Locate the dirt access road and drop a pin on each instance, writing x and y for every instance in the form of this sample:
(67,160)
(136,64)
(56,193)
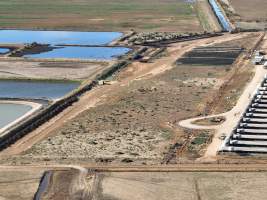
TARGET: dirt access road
(232,117)
(134,72)
(197,167)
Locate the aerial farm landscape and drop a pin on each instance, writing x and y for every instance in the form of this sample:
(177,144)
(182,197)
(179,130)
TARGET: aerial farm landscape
(133,100)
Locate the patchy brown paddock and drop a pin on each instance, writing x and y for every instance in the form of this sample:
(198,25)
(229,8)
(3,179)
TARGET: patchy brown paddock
(247,14)
(51,70)
(104,15)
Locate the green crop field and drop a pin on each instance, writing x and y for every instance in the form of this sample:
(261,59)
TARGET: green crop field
(105,15)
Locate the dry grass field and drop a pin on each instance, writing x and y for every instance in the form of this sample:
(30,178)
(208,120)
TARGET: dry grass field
(183,186)
(51,70)
(250,10)
(104,15)
(19,185)
(247,14)
(69,184)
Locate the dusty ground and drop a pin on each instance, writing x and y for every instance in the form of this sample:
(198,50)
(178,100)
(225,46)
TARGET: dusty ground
(80,184)
(104,15)
(51,70)
(247,14)
(135,119)
(250,10)
(77,183)
(182,186)
(19,185)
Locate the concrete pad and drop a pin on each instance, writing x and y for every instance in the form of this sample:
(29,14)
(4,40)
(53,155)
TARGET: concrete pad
(258,110)
(245,149)
(262,88)
(250,137)
(248,143)
(260,100)
(263,92)
(252,131)
(261,96)
(254,120)
(256,115)
(259,105)
(250,125)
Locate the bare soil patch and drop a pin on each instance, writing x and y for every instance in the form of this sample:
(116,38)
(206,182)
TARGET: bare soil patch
(250,10)
(247,14)
(51,70)
(160,185)
(19,185)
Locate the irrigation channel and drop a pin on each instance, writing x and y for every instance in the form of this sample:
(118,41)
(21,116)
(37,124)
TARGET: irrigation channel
(226,26)
(26,104)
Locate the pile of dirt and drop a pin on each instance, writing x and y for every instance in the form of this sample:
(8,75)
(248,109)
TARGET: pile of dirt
(31,49)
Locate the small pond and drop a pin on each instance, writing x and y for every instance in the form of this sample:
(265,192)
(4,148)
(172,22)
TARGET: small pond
(4,50)
(10,112)
(35,89)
